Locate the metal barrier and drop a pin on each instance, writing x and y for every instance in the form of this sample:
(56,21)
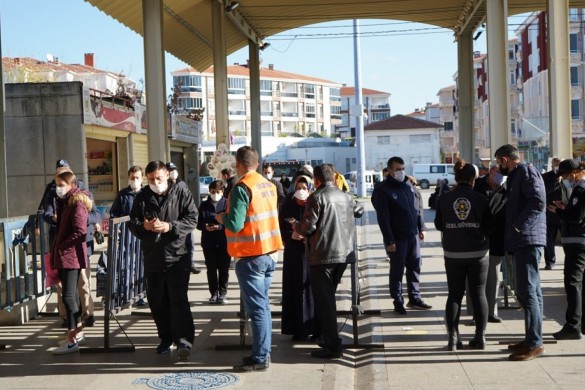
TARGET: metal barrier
(24,241)
(125,281)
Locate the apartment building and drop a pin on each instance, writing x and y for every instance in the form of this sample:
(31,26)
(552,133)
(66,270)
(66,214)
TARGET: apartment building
(291,104)
(376,108)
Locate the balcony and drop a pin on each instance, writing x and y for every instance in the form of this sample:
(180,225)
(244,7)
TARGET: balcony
(290,114)
(265,113)
(237,112)
(310,115)
(289,94)
(380,106)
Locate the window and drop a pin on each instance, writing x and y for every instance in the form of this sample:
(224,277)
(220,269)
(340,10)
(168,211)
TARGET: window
(236,86)
(383,140)
(334,94)
(513,77)
(448,126)
(511,55)
(575,109)
(574,75)
(573,14)
(188,83)
(573,43)
(309,91)
(420,138)
(378,116)
(265,87)
(309,110)
(437,169)
(187,103)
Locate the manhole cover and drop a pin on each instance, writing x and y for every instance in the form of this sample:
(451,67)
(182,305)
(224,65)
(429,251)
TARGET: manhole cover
(189,381)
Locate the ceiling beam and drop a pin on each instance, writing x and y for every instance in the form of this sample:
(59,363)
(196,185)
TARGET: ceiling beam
(470,12)
(242,24)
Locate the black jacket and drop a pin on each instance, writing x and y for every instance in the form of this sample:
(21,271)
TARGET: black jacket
(175,206)
(573,217)
(463,216)
(497,200)
(207,213)
(329,226)
(123,203)
(398,214)
(553,188)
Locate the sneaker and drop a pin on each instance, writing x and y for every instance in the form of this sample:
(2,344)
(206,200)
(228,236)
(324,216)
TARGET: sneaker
(89,321)
(247,364)
(66,348)
(213,299)
(419,305)
(567,334)
(184,350)
(79,337)
(399,308)
(222,299)
(164,347)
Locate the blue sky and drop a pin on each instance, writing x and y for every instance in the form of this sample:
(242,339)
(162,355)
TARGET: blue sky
(410,61)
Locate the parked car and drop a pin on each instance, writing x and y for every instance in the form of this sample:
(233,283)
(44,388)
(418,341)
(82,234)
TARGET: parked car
(427,174)
(204,182)
(371,177)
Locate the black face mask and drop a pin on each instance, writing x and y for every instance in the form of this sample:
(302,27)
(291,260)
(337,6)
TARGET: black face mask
(504,170)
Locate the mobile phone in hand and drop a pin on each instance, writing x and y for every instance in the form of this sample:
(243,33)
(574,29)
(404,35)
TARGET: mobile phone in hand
(290,220)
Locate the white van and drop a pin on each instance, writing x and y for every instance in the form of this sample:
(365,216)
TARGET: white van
(372,177)
(427,174)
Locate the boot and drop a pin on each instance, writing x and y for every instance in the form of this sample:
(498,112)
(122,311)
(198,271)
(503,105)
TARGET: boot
(453,342)
(478,342)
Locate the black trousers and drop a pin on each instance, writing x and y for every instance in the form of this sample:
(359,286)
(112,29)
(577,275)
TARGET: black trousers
(169,304)
(550,257)
(574,267)
(70,294)
(475,272)
(217,261)
(324,282)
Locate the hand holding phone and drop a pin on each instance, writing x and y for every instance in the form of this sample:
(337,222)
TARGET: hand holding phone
(290,220)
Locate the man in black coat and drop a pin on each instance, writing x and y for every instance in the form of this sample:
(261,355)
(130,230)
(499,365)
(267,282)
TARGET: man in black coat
(553,188)
(162,217)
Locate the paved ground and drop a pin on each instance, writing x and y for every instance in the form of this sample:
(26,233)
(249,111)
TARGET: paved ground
(414,354)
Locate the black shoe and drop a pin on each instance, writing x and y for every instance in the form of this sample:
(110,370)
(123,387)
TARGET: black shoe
(89,321)
(549,267)
(399,308)
(195,270)
(494,319)
(454,342)
(325,353)
(567,334)
(419,305)
(248,364)
(183,351)
(164,347)
(477,343)
(64,323)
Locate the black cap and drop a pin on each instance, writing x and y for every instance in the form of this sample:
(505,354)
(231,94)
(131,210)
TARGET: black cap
(171,166)
(567,166)
(62,163)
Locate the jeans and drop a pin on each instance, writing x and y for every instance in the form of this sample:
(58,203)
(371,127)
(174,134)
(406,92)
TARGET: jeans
(69,279)
(255,276)
(458,272)
(407,255)
(529,293)
(574,267)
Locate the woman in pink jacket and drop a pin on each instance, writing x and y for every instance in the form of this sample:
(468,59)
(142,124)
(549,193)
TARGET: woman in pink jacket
(69,252)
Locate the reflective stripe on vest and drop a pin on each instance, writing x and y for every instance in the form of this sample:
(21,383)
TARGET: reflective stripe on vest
(261,231)
(573,240)
(465,255)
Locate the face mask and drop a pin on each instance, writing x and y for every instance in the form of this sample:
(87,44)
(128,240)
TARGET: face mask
(160,188)
(568,184)
(268,176)
(504,170)
(499,178)
(215,197)
(61,191)
(301,194)
(555,169)
(399,175)
(174,175)
(134,184)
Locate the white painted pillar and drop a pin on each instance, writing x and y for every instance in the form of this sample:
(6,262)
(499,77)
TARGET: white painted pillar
(498,76)
(559,79)
(154,69)
(254,68)
(220,74)
(465,94)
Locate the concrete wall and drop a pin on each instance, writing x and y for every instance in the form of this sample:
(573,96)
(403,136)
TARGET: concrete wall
(43,124)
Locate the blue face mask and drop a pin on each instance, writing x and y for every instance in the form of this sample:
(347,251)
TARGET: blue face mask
(499,178)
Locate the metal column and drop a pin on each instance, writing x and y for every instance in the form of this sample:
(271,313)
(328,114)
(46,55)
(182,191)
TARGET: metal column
(254,68)
(559,79)
(359,112)
(466,100)
(220,74)
(154,69)
(498,75)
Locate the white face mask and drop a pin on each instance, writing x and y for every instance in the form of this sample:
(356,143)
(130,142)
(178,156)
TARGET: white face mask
(159,189)
(268,176)
(174,175)
(135,184)
(62,191)
(399,175)
(215,197)
(301,194)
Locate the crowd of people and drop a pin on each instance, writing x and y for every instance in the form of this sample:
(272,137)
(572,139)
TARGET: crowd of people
(249,217)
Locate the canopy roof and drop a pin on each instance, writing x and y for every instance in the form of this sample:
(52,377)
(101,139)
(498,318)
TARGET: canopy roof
(188,26)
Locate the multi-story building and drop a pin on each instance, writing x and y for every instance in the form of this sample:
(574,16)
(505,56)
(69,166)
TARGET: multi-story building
(449,139)
(290,104)
(376,108)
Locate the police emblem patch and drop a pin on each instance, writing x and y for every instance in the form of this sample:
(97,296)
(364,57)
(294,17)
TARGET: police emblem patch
(575,201)
(462,207)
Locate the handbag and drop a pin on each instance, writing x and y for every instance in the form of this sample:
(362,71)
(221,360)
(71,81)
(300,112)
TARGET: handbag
(99,237)
(51,275)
